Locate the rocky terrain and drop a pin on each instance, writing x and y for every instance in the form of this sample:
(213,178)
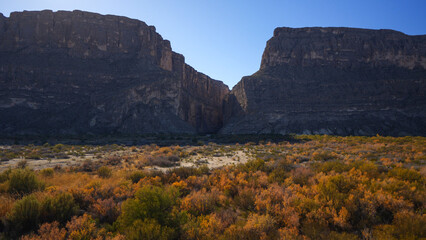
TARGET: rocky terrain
(71,73)
(79,73)
(340,81)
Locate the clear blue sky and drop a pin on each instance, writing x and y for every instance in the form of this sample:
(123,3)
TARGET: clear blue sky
(225,39)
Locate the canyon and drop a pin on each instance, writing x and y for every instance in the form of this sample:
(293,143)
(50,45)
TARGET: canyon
(339,81)
(74,73)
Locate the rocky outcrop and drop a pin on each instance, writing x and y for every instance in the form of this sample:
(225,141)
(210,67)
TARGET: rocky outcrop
(341,81)
(79,73)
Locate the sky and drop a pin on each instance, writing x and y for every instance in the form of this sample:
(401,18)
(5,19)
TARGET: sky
(225,39)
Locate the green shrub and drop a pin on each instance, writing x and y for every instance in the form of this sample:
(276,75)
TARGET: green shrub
(24,181)
(366,166)
(58,148)
(47,172)
(136,176)
(329,166)
(405,174)
(4,176)
(322,156)
(150,202)
(335,189)
(409,225)
(59,208)
(33,155)
(104,172)
(25,215)
(254,165)
(149,229)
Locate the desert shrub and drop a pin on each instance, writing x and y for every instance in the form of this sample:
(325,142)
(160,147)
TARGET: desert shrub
(162,161)
(405,225)
(25,215)
(322,156)
(409,225)
(48,231)
(200,202)
(149,229)
(57,168)
(280,171)
(113,160)
(366,166)
(383,232)
(342,236)
(24,181)
(301,175)
(405,174)
(22,164)
(47,172)
(185,172)
(205,227)
(61,155)
(106,210)
(6,156)
(314,229)
(58,148)
(336,189)
(256,227)
(89,166)
(6,204)
(59,208)
(329,166)
(150,202)
(136,176)
(4,176)
(33,155)
(104,172)
(246,199)
(82,228)
(203,169)
(173,158)
(253,166)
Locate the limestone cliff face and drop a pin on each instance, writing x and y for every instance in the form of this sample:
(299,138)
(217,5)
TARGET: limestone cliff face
(79,72)
(344,47)
(341,81)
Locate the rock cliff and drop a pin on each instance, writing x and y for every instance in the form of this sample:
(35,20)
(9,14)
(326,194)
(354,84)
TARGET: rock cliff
(68,73)
(341,81)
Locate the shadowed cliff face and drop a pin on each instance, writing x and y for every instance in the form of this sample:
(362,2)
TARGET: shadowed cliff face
(334,81)
(79,72)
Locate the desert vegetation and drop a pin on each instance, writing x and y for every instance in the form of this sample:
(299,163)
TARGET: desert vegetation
(305,187)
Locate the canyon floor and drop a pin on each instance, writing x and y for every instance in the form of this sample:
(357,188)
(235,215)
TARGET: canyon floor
(205,187)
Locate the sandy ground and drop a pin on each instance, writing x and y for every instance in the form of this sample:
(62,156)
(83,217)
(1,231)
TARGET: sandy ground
(45,163)
(212,162)
(229,158)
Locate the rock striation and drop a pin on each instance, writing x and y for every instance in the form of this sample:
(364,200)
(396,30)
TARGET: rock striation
(342,81)
(69,73)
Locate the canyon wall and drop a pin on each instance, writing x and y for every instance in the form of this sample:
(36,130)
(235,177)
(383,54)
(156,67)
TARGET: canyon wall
(70,73)
(342,81)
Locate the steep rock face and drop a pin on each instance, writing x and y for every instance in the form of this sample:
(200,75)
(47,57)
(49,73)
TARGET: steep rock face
(341,81)
(78,72)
